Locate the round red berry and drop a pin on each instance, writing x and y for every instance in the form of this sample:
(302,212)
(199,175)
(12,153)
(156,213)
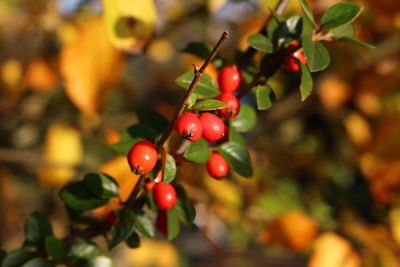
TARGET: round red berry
(213,127)
(217,166)
(294,44)
(229,79)
(188,126)
(232,105)
(142,157)
(161,222)
(111,219)
(291,64)
(164,196)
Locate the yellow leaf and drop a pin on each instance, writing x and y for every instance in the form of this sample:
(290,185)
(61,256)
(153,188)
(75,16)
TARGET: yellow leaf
(62,151)
(90,66)
(130,23)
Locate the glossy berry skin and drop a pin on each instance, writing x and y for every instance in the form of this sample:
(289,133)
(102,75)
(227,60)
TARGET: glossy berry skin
(111,219)
(229,79)
(188,126)
(142,157)
(217,166)
(161,222)
(164,196)
(290,63)
(232,106)
(213,127)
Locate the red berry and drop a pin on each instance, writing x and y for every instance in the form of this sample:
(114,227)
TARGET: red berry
(188,126)
(111,218)
(142,157)
(229,79)
(161,222)
(291,64)
(232,105)
(217,166)
(294,44)
(226,136)
(213,127)
(164,196)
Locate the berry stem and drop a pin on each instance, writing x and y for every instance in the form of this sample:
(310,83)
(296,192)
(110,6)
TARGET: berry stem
(197,76)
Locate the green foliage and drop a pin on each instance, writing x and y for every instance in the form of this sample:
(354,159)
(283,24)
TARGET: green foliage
(238,158)
(198,49)
(260,42)
(55,248)
(172,225)
(245,120)
(317,56)
(356,42)
(340,14)
(198,151)
(170,169)
(38,262)
(131,136)
(346,30)
(37,228)
(152,119)
(265,96)
(17,258)
(209,104)
(205,87)
(143,223)
(184,208)
(307,11)
(306,84)
(101,185)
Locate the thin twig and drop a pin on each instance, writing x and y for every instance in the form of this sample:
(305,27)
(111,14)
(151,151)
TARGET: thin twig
(197,75)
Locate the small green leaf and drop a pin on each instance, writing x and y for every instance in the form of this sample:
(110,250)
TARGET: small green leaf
(265,97)
(192,100)
(184,207)
(38,262)
(260,42)
(100,261)
(170,169)
(17,258)
(356,42)
(205,87)
(144,224)
(133,241)
(307,11)
(77,197)
(198,49)
(209,104)
(132,135)
(339,14)
(317,56)
(153,119)
(234,136)
(37,228)
(120,232)
(238,158)
(85,250)
(198,151)
(173,225)
(245,120)
(101,185)
(55,248)
(346,30)
(306,84)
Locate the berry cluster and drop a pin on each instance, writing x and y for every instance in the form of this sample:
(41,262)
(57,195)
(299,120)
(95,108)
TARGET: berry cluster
(291,62)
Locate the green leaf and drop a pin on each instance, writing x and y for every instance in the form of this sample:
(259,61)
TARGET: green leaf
(170,169)
(100,261)
(265,97)
(184,207)
(306,84)
(38,262)
(307,11)
(205,87)
(153,119)
(234,136)
(198,49)
(356,42)
(77,197)
(260,42)
(339,14)
(238,158)
(273,31)
(245,120)
(173,225)
(144,224)
(85,250)
(101,185)
(192,100)
(37,228)
(120,232)
(131,136)
(55,248)
(17,258)
(133,241)
(317,56)
(209,104)
(198,151)
(346,30)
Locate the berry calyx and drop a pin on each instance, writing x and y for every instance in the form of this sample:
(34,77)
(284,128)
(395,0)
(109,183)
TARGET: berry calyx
(188,126)
(111,219)
(291,64)
(164,196)
(229,79)
(213,127)
(217,166)
(232,105)
(161,222)
(142,157)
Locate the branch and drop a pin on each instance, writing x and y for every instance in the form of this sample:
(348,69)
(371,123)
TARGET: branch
(197,76)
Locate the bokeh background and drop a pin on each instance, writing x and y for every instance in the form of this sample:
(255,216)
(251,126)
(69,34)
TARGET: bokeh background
(327,170)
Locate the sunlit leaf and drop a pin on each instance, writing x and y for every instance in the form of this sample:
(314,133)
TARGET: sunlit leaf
(205,87)
(339,14)
(209,104)
(198,151)
(306,84)
(170,169)
(307,11)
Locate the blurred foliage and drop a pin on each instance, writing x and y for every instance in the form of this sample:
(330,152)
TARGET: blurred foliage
(326,171)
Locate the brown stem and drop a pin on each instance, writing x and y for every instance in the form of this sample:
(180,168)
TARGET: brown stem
(197,75)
